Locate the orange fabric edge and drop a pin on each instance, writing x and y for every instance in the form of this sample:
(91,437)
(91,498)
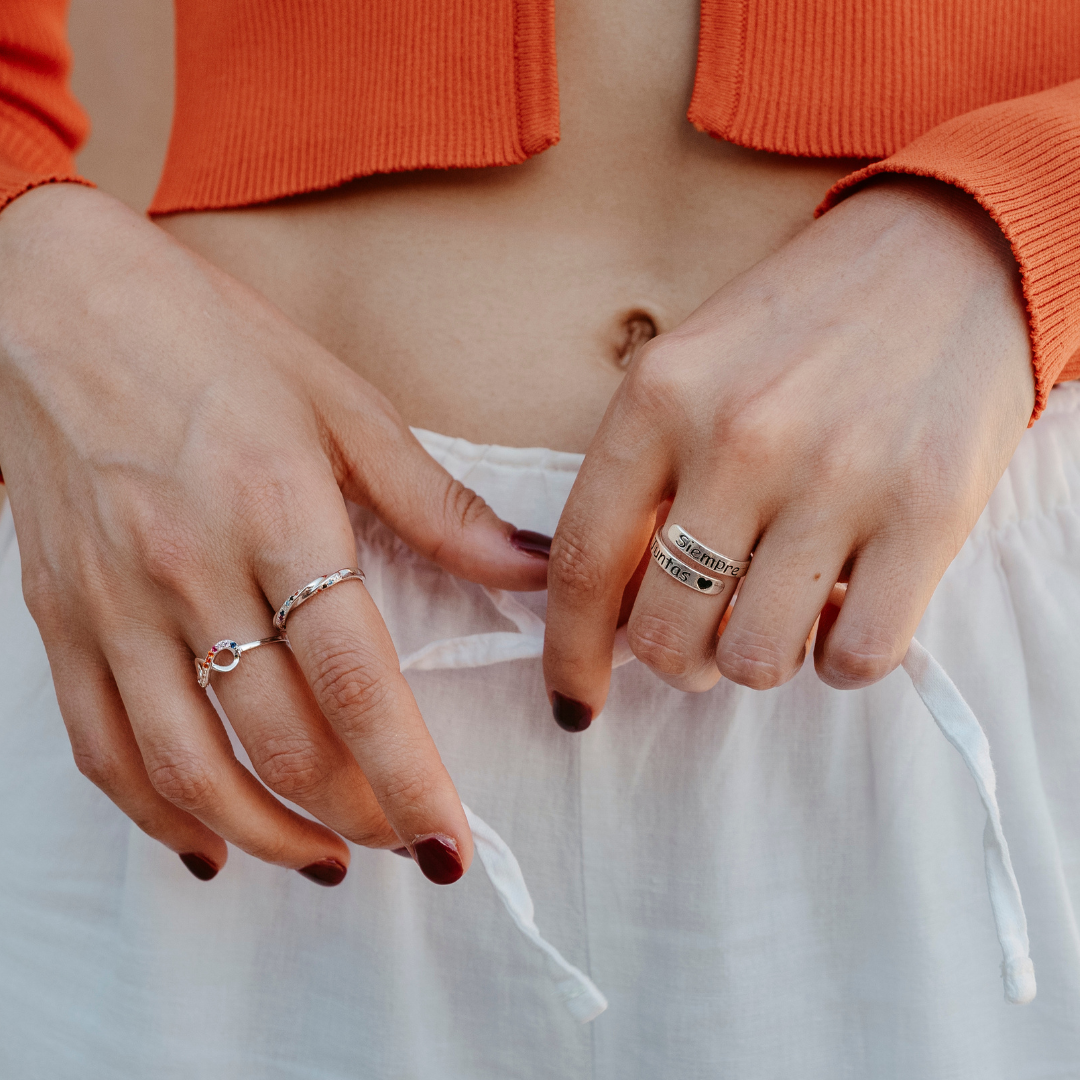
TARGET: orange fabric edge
(536,75)
(9,191)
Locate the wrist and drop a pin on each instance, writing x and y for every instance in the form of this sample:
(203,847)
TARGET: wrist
(931,208)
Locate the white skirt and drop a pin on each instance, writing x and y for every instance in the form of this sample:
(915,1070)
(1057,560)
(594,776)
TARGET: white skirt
(765,885)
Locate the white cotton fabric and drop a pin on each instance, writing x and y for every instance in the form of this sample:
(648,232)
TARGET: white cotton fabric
(939,694)
(763,885)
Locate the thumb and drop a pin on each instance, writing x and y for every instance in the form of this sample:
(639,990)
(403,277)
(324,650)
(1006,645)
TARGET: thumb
(380,464)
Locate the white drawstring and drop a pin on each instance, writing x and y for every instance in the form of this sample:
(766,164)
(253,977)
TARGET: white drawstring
(578,992)
(958,724)
(944,701)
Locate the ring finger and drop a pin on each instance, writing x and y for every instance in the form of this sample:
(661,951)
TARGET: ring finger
(292,747)
(685,592)
(190,762)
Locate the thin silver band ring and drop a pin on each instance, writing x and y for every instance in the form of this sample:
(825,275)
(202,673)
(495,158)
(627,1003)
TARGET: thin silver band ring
(204,668)
(697,552)
(684,574)
(320,584)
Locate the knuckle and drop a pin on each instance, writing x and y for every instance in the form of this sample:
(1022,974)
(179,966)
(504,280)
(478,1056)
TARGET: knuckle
(756,434)
(661,644)
(654,381)
(266,501)
(42,594)
(462,507)
(348,687)
(408,792)
(574,570)
(182,778)
(856,665)
(101,768)
(167,549)
(293,767)
(752,661)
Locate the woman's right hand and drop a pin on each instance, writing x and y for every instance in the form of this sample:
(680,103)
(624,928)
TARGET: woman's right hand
(176,452)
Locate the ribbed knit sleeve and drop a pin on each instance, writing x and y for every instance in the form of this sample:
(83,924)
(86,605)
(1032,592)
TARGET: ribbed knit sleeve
(1021,160)
(41,124)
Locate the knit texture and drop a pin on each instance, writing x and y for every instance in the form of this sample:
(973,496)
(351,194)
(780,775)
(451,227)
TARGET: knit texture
(1020,159)
(862,78)
(41,124)
(277,97)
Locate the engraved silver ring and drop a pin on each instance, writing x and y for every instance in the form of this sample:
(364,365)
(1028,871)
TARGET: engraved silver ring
(235,650)
(320,584)
(683,573)
(697,552)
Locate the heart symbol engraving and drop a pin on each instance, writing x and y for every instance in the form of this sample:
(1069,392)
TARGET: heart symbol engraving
(703,583)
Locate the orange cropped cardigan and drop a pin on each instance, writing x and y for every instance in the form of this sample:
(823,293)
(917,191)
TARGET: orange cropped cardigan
(277,97)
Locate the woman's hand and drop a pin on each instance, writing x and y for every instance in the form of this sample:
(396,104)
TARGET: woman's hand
(842,409)
(175,452)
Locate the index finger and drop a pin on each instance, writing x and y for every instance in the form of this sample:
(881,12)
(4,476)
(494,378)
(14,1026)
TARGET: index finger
(606,525)
(347,657)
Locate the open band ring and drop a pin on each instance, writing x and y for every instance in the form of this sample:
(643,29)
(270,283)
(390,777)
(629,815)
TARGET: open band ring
(320,584)
(697,552)
(203,668)
(681,572)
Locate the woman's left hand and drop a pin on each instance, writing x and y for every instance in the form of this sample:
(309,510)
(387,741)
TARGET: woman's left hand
(843,410)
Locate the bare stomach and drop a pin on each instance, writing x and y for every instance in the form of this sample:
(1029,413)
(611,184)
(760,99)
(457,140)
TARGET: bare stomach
(503,305)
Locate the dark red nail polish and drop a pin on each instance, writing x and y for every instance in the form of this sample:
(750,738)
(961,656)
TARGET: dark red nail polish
(531,543)
(569,714)
(402,851)
(324,872)
(437,856)
(199,865)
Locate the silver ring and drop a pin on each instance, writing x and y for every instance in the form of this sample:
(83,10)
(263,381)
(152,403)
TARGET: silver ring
(697,552)
(320,584)
(686,575)
(203,668)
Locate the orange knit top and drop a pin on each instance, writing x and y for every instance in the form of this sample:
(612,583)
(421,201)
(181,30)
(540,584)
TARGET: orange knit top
(277,97)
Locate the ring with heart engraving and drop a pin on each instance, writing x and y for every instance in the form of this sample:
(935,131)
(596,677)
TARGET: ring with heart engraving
(684,574)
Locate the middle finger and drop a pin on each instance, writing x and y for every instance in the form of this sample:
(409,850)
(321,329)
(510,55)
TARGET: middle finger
(674,624)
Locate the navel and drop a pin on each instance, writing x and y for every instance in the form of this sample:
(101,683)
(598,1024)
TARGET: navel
(637,327)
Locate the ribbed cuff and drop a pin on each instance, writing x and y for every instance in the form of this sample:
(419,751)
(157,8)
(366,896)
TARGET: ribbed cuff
(13,185)
(1019,159)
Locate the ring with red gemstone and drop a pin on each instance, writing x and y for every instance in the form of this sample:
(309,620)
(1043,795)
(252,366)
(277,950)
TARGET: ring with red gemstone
(233,650)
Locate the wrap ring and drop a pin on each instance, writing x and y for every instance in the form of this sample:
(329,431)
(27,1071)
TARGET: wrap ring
(681,572)
(320,584)
(203,668)
(697,552)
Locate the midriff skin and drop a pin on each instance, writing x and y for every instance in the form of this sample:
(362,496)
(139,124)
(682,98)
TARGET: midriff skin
(502,305)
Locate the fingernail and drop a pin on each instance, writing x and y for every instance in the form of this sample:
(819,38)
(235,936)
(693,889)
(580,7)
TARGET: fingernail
(199,865)
(531,543)
(402,851)
(324,872)
(437,856)
(569,714)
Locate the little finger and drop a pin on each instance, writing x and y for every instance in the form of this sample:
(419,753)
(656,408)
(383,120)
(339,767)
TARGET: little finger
(107,754)
(189,761)
(886,596)
(794,568)
(293,748)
